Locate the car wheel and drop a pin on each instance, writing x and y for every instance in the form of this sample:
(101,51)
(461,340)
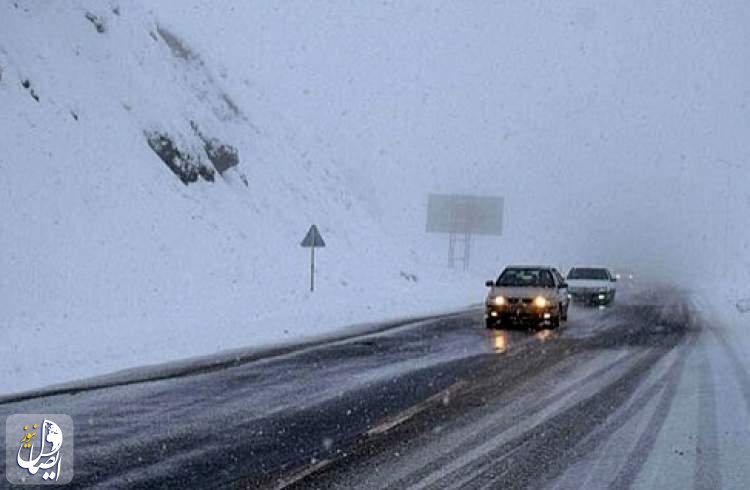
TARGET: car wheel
(489,323)
(564,314)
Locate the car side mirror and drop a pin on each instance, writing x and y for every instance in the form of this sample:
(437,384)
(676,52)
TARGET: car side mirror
(614,279)
(489,284)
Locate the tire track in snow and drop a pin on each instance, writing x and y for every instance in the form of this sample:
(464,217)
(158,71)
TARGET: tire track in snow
(667,385)
(462,452)
(741,374)
(707,464)
(594,466)
(588,421)
(461,459)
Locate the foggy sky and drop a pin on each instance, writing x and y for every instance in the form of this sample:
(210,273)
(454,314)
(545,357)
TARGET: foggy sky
(617,131)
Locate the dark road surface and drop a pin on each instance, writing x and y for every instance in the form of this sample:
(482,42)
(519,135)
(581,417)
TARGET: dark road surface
(437,404)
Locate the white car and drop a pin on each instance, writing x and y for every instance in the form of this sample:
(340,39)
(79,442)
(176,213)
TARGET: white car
(591,285)
(527,294)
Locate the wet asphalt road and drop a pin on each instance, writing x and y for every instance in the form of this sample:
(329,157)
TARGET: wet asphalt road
(537,410)
(443,403)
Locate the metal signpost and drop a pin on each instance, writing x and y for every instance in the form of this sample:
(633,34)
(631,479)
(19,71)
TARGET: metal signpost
(461,216)
(312,240)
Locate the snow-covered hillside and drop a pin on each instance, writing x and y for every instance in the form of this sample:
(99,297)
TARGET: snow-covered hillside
(161,161)
(109,260)
(616,132)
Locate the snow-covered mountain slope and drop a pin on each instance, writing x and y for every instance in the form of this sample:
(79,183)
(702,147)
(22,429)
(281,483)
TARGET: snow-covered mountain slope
(615,131)
(110,259)
(161,161)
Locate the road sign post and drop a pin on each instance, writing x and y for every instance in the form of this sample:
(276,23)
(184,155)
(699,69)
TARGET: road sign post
(312,239)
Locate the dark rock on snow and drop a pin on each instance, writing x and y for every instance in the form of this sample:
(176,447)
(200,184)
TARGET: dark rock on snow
(184,165)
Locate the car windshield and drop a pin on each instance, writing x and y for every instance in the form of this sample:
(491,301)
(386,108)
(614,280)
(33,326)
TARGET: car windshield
(588,273)
(525,278)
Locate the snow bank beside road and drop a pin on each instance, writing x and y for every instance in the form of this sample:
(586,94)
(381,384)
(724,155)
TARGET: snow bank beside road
(129,344)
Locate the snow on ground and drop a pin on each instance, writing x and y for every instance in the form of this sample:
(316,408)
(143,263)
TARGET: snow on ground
(110,261)
(706,431)
(343,116)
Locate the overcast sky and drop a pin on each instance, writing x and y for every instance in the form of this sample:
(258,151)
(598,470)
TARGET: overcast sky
(617,131)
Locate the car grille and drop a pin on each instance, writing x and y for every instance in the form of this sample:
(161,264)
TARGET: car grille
(583,290)
(515,301)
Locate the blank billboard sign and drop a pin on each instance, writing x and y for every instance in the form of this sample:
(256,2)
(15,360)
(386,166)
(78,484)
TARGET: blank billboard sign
(454,213)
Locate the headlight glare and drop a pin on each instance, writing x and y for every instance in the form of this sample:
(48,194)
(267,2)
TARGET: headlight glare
(499,300)
(541,302)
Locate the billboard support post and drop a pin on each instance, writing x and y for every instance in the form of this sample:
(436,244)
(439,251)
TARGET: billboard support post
(461,217)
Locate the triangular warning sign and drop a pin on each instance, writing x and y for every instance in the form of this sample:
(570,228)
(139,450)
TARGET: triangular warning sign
(313,238)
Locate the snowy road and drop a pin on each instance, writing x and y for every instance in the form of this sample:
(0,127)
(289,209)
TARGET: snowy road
(636,395)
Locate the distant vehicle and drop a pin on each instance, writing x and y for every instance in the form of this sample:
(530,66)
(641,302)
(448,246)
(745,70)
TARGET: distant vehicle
(535,295)
(591,285)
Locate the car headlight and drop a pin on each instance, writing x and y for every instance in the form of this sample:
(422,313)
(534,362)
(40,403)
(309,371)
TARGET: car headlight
(541,302)
(499,301)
